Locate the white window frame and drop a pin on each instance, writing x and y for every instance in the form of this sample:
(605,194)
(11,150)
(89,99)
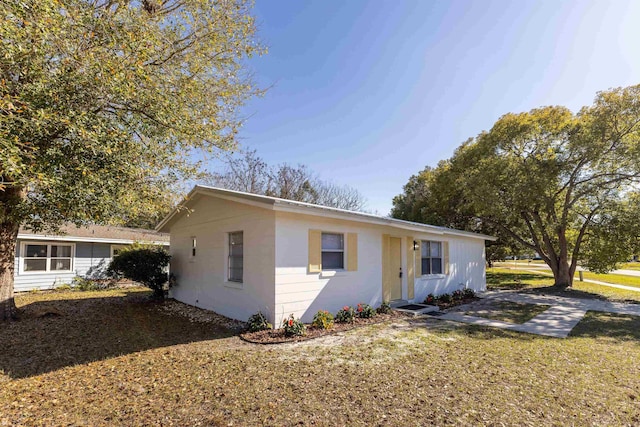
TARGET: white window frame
(116,247)
(234,282)
(441,274)
(23,252)
(343,250)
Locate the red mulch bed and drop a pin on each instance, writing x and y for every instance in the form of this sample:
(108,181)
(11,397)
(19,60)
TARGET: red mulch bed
(276,336)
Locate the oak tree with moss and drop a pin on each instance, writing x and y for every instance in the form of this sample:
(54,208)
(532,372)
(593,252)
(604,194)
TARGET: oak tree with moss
(561,184)
(103,103)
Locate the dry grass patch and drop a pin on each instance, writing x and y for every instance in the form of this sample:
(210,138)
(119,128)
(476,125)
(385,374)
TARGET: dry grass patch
(507,311)
(144,366)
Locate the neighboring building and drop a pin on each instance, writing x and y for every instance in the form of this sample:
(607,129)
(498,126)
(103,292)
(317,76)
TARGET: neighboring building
(237,253)
(44,261)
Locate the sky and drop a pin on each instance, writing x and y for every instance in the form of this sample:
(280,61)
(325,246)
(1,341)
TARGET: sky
(368,93)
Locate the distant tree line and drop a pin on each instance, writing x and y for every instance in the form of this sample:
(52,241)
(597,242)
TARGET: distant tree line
(248,172)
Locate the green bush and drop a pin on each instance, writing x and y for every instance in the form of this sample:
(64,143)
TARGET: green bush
(146,265)
(63,288)
(258,322)
(365,311)
(83,284)
(445,298)
(346,315)
(469,293)
(430,299)
(293,327)
(385,308)
(322,320)
(457,295)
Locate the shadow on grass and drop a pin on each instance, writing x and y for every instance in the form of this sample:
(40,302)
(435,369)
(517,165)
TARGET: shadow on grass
(515,281)
(611,325)
(79,331)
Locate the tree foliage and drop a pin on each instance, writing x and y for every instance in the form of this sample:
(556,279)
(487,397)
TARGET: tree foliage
(102,103)
(146,265)
(249,173)
(554,182)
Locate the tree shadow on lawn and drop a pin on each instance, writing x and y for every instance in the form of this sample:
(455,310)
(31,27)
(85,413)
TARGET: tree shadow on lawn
(79,331)
(619,327)
(515,281)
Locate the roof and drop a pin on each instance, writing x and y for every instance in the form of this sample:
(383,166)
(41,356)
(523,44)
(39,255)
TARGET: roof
(99,233)
(284,205)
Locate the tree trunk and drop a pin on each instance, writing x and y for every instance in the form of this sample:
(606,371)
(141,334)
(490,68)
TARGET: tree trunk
(563,277)
(8,237)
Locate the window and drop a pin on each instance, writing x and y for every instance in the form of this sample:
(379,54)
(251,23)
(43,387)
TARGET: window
(116,249)
(332,251)
(236,254)
(431,257)
(42,257)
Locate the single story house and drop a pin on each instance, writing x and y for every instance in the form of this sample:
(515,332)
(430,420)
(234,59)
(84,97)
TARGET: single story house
(238,253)
(45,261)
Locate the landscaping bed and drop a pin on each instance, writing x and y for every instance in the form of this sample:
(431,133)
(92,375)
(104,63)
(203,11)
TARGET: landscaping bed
(277,336)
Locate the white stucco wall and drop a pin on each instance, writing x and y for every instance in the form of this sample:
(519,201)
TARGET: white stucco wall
(202,281)
(466,267)
(303,293)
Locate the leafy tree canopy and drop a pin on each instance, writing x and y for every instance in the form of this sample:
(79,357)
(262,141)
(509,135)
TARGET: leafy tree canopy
(558,183)
(103,103)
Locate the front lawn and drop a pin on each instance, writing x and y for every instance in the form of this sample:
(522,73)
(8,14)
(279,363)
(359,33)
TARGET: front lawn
(508,311)
(114,359)
(504,279)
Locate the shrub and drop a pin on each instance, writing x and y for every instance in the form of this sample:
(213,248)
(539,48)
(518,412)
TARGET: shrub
(322,320)
(258,322)
(457,295)
(469,293)
(365,311)
(385,308)
(293,327)
(445,298)
(83,284)
(346,315)
(63,288)
(430,299)
(146,265)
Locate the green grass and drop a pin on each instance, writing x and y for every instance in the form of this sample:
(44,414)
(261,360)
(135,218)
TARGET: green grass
(511,312)
(115,359)
(630,266)
(500,278)
(618,279)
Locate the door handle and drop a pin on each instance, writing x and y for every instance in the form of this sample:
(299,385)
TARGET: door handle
(400,275)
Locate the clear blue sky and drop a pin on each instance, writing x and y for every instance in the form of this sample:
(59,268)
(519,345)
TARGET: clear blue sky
(367,93)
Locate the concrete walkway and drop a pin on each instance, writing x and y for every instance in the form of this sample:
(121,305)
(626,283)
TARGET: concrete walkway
(558,321)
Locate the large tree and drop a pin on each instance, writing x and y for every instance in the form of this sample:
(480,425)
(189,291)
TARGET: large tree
(557,183)
(246,171)
(103,102)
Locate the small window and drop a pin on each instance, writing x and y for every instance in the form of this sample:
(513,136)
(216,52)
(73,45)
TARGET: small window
(332,251)
(117,249)
(39,257)
(431,257)
(236,255)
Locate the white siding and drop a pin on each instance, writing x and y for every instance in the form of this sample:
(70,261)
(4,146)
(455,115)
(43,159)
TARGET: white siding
(202,280)
(466,268)
(303,293)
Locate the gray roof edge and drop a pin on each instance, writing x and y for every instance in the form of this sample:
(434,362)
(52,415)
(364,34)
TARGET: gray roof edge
(276,203)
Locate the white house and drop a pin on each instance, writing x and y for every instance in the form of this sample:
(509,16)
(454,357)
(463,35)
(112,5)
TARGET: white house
(237,253)
(45,260)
